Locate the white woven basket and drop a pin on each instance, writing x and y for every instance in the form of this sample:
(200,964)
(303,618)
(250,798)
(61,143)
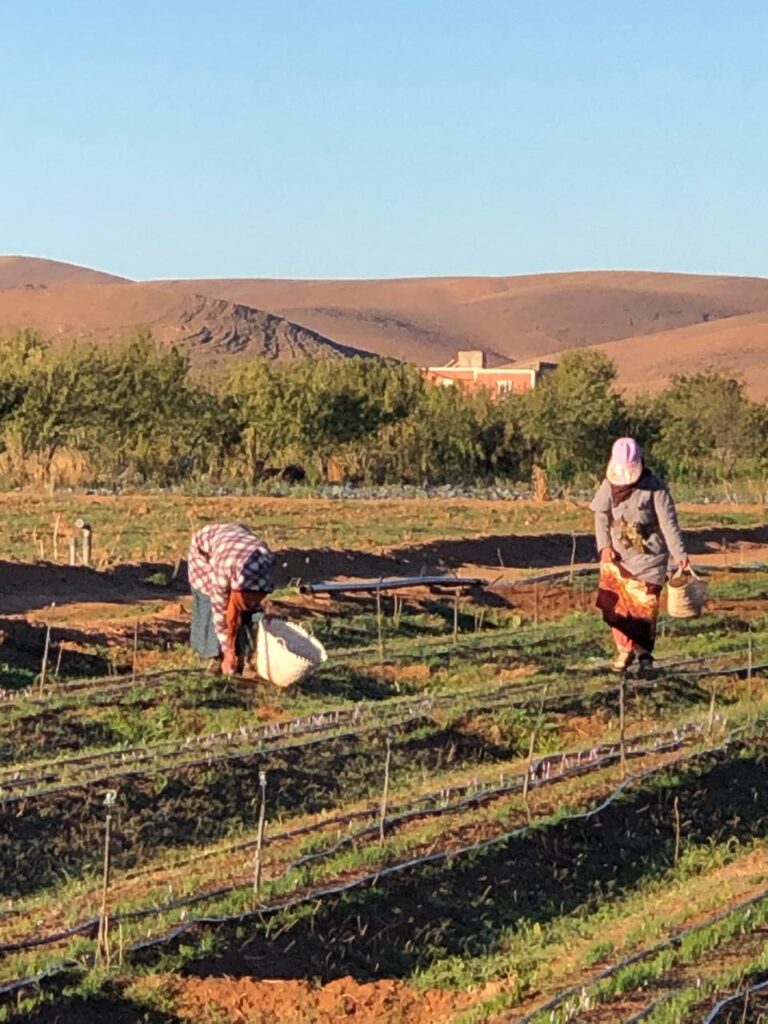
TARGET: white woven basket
(686,595)
(285,653)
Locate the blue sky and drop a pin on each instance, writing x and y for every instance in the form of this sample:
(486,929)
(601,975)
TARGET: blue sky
(351,138)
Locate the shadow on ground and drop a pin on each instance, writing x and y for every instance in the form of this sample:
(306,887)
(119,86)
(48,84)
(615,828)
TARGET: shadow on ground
(103,1008)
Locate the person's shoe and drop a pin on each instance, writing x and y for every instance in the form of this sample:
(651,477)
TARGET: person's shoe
(213,668)
(622,661)
(645,664)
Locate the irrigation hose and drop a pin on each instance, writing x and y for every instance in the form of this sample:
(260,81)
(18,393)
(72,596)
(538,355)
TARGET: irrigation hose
(587,760)
(645,954)
(374,877)
(327,723)
(742,996)
(429,859)
(283,736)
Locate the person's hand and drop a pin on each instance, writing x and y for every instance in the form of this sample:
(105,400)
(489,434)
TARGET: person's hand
(607,555)
(229,664)
(684,564)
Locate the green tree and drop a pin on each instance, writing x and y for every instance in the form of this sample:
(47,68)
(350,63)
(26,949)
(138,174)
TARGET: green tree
(54,398)
(573,415)
(708,428)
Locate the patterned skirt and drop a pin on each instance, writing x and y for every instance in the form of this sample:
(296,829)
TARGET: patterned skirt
(629,606)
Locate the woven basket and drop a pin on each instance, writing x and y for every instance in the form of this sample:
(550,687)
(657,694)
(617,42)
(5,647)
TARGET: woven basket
(285,653)
(686,595)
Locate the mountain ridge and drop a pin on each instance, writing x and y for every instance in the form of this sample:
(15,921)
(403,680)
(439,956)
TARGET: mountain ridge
(211,331)
(423,320)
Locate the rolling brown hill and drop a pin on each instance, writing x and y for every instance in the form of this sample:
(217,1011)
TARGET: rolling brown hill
(212,331)
(427,319)
(31,272)
(653,324)
(737,346)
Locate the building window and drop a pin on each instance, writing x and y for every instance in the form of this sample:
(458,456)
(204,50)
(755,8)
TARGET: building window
(505,387)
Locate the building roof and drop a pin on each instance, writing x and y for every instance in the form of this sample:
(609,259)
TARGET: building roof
(533,364)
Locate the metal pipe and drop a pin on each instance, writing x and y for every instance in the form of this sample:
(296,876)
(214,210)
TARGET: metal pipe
(391,583)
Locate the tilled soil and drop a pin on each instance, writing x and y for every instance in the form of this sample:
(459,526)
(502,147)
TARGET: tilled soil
(248,1001)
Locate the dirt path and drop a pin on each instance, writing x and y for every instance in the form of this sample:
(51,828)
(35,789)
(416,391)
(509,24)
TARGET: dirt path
(99,610)
(28,587)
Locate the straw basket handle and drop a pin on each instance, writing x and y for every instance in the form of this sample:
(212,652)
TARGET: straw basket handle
(681,572)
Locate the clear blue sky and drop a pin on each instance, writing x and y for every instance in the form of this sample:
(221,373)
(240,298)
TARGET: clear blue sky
(356,138)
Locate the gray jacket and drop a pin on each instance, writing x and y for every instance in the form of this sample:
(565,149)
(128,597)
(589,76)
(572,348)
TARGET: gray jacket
(643,529)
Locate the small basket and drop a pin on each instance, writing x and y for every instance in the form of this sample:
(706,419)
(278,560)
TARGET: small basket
(687,595)
(285,653)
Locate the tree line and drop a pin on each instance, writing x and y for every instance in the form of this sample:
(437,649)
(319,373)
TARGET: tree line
(134,415)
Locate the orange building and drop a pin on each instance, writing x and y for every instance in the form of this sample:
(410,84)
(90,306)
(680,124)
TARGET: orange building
(469,370)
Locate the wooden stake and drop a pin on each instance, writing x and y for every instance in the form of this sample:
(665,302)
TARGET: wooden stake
(73,550)
(103,952)
(44,665)
(573,558)
(59,655)
(380,625)
(135,650)
(622,730)
(711,717)
(531,748)
(676,809)
(397,610)
(745,1007)
(260,835)
(87,546)
(385,791)
(56,523)
(750,716)
(456,617)
(536,604)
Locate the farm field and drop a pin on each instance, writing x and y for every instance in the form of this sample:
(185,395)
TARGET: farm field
(156,527)
(467,817)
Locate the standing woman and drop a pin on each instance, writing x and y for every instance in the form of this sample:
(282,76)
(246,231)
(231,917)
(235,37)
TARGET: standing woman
(637,530)
(231,571)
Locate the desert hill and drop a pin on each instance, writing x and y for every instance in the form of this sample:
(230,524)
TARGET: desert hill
(737,346)
(427,319)
(653,324)
(212,330)
(31,272)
